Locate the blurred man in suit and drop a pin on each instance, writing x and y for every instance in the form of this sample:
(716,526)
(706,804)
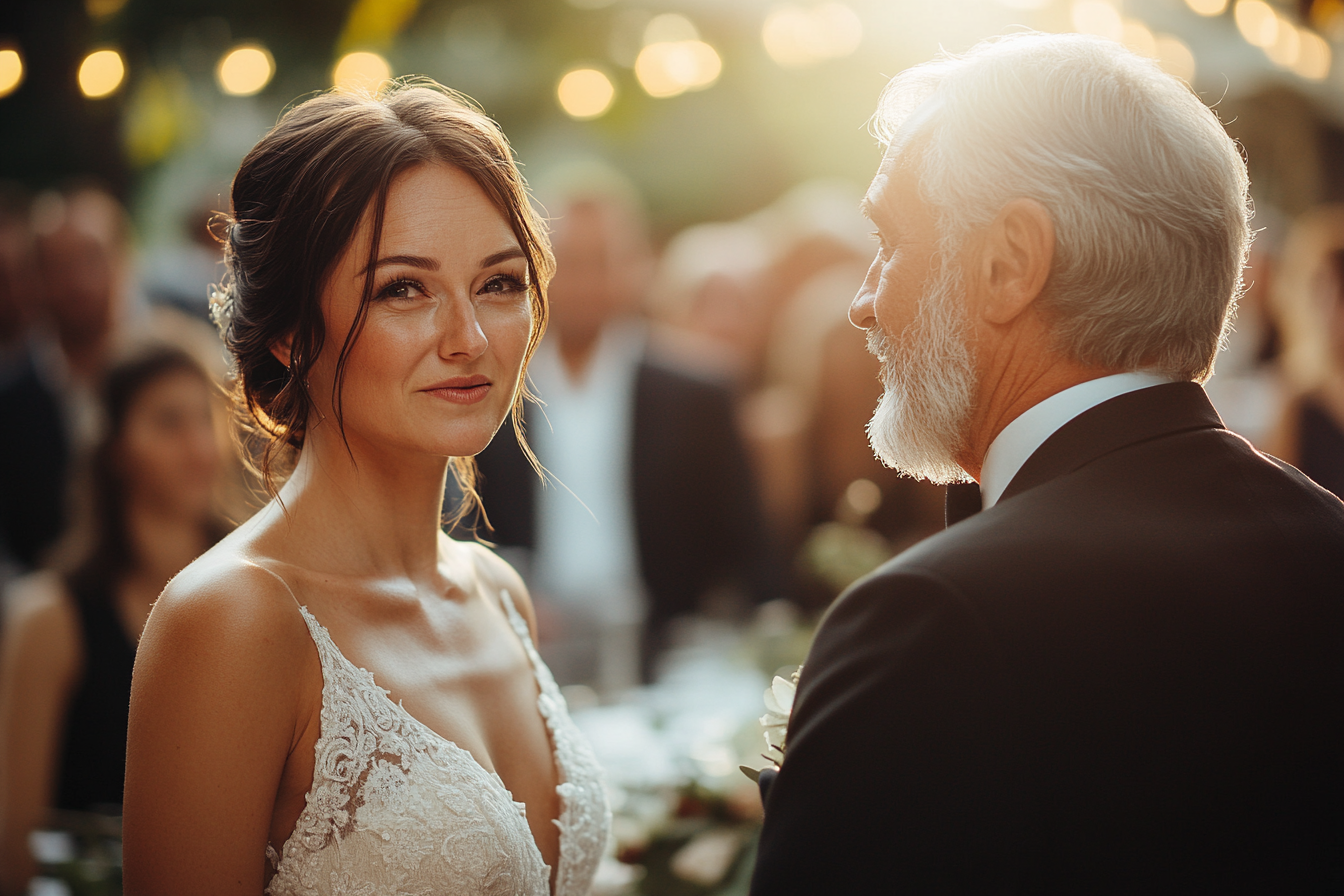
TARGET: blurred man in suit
(1120,668)
(652,503)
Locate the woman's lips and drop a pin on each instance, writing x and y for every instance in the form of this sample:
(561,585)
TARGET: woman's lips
(463,390)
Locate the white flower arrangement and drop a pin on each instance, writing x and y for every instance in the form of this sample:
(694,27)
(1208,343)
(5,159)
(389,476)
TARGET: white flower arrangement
(778,709)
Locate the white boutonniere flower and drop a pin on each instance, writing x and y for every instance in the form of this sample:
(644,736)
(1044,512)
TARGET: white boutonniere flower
(778,708)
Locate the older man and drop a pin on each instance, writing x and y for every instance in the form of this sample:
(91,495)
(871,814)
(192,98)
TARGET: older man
(1121,667)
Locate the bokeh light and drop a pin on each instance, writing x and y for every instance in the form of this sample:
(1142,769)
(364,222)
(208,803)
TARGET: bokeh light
(670,28)
(101,73)
(1257,22)
(245,70)
(1024,4)
(11,71)
(102,9)
(1287,45)
(360,71)
(1097,17)
(1313,58)
(796,37)
(1207,7)
(1139,38)
(585,93)
(667,69)
(1175,57)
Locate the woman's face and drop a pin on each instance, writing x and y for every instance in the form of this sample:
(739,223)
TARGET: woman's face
(436,366)
(168,453)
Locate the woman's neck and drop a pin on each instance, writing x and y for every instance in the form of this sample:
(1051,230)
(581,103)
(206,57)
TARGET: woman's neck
(363,511)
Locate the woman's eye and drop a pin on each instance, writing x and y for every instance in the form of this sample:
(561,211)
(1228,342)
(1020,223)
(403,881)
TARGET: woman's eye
(503,284)
(400,289)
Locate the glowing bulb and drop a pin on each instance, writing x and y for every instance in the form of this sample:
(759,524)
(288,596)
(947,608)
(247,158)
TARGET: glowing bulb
(1175,57)
(360,71)
(245,70)
(585,93)
(1098,17)
(101,73)
(1313,58)
(11,71)
(1257,22)
(1207,7)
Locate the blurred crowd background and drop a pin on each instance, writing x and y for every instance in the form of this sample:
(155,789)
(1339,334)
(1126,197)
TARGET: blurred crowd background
(711,487)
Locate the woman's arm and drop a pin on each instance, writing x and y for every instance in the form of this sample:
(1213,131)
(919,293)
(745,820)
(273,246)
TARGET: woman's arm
(39,660)
(215,708)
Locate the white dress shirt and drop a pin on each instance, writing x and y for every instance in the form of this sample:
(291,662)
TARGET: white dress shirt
(586,552)
(1020,439)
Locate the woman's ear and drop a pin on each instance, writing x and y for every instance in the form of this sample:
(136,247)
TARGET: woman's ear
(280,348)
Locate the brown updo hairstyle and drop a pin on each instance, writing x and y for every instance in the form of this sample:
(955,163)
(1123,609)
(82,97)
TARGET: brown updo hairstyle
(299,197)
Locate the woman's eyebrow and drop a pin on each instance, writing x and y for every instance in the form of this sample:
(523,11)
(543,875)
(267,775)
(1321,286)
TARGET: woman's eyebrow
(414,261)
(505,255)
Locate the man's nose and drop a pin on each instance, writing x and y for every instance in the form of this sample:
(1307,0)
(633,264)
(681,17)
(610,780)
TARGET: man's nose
(861,311)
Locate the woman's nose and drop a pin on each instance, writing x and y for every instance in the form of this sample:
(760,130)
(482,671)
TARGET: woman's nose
(461,336)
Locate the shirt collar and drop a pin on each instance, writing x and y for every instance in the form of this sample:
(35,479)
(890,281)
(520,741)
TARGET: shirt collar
(1020,438)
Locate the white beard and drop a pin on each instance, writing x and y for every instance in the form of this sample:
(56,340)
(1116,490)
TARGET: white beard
(929,375)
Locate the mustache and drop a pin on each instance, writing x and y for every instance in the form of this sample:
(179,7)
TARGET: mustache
(880,344)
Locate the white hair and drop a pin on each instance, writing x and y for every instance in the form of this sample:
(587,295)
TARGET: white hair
(1147,192)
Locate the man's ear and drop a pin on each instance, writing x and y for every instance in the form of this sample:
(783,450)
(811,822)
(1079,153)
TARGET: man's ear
(281,347)
(1016,254)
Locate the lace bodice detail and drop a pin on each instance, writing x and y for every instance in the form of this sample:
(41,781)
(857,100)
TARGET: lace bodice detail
(396,810)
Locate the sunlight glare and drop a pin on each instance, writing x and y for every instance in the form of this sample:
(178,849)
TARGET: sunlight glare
(1098,17)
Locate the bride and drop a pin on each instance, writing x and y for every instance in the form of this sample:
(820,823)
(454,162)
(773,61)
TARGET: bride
(338,698)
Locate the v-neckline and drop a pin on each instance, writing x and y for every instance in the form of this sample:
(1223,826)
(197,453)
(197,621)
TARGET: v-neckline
(552,874)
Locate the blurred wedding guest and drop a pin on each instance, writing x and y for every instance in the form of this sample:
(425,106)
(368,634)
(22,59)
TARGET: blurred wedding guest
(70,637)
(75,267)
(29,498)
(1248,387)
(1310,300)
(652,504)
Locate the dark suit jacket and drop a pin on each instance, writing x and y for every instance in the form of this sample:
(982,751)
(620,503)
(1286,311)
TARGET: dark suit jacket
(696,510)
(1125,677)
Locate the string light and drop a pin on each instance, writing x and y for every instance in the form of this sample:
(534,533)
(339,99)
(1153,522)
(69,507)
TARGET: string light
(245,70)
(360,71)
(11,71)
(101,73)
(585,93)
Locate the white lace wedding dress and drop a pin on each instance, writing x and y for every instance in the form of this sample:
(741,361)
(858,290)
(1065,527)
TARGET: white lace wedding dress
(396,810)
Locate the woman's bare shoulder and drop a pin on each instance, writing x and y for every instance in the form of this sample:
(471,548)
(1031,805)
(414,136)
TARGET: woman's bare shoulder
(498,576)
(230,601)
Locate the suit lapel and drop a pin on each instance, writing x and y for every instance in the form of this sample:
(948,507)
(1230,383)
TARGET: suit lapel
(1118,423)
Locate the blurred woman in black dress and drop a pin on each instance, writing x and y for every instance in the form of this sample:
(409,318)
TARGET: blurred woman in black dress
(70,637)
